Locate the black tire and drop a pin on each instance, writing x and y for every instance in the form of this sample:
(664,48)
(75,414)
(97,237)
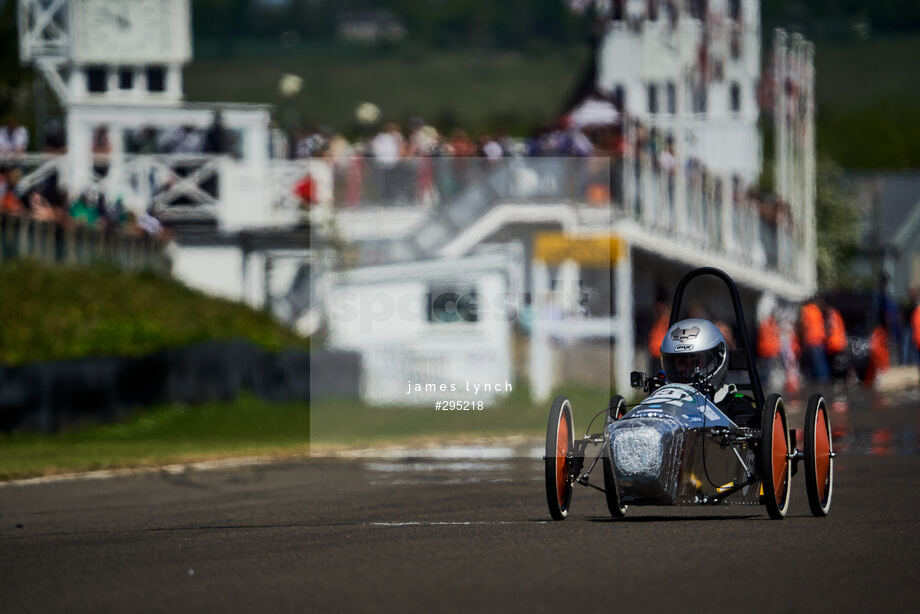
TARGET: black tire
(615,410)
(819,456)
(776,468)
(560,445)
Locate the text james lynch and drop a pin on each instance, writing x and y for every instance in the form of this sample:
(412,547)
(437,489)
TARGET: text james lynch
(473,387)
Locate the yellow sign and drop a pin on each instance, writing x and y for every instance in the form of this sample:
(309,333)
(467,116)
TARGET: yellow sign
(591,250)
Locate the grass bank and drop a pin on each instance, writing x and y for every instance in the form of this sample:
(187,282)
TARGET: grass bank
(53,313)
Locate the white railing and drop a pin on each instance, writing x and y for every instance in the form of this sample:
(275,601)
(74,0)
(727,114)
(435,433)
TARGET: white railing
(686,202)
(172,186)
(690,204)
(712,212)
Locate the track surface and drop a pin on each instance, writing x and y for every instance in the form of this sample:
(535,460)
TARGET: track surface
(454,536)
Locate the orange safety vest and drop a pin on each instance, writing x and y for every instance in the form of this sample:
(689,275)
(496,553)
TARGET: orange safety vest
(657,335)
(915,320)
(812,325)
(836,332)
(878,348)
(768,343)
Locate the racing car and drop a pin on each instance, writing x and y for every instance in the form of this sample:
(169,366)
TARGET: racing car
(703,435)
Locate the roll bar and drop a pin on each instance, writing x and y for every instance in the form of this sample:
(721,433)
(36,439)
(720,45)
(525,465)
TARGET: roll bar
(739,319)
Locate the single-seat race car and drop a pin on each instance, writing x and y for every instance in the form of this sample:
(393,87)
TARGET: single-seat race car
(704,435)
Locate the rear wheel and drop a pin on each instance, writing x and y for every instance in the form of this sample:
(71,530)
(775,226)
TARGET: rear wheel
(774,457)
(560,444)
(819,459)
(615,410)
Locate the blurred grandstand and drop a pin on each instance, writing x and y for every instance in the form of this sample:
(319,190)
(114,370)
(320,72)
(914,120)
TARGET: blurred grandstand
(566,237)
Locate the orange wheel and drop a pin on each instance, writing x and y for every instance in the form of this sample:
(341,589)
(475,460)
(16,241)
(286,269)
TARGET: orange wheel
(615,410)
(776,467)
(819,456)
(560,446)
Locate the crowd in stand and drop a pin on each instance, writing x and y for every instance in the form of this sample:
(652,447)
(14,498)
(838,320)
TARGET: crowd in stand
(216,139)
(45,201)
(392,143)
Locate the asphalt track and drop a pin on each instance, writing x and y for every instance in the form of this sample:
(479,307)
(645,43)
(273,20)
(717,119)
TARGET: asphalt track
(451,535)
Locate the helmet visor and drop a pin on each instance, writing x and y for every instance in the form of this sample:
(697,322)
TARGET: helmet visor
(685,367)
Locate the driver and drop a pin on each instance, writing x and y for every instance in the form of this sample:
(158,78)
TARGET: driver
(694,352)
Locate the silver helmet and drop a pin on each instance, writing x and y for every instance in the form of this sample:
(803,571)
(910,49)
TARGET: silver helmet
(694,350)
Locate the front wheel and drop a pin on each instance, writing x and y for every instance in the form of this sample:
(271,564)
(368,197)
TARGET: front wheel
(558,458)
(819,456)
(615,410)
(774,457)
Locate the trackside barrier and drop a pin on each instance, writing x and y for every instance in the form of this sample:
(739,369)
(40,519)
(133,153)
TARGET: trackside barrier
(52,242)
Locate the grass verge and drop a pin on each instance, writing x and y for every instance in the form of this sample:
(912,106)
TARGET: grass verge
(160,436)
(353,424)
(252,427)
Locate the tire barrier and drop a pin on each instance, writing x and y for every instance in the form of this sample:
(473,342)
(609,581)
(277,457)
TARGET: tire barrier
(49,396)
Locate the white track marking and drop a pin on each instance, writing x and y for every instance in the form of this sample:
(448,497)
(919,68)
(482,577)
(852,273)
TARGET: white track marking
(418,467)
(457,523)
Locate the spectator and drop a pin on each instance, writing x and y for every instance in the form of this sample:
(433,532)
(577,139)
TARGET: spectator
(146,142)
(489,148)
(911,352)
(9,197)
(101,144)
(813,340)
(836,340)
(915,323)
(190,140)
(791,352)
(388,146)
(659,330)
(55,139)
(168,140)
(14,139)
(879,358)
(278,146)
(309,143)
(666,159)
(40,209)
(149,225)
(888,312)
(339,149)
(461,146)
(84,211)
(727,333)
(216,140)
(667,162)
(423,140)
(635,14)
(769,347)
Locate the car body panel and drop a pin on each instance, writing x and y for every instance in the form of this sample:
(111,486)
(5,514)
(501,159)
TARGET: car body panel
(670,450)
